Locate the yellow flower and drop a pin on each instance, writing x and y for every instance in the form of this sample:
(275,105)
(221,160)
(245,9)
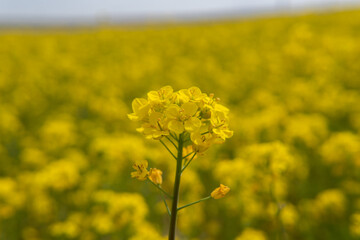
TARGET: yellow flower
(183,118)
(140,108)
(219,120)
(165,93)
(220,192)
(141,171)
(155,127)
(202,141)
(166,112)
(193,93)
(155,175)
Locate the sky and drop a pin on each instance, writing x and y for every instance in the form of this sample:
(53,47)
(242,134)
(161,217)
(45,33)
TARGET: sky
(24,10)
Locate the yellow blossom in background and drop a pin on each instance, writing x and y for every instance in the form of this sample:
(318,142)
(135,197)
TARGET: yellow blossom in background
(355,224)
(251,234)
(220,192)
(330,203)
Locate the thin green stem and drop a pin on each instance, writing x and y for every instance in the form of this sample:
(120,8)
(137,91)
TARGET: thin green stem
(188,205)
(187,164)
(168,149)
(188,155)
(171,142)
(167,207)
(174,136)
(172,229)
(160,188)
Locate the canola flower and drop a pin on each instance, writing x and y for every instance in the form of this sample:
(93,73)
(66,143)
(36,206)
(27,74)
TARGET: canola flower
(185,118)
(199,118)
(141,172)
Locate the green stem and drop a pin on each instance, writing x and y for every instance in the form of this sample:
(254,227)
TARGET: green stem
(176,190)
(188,205)
(174,136)
(188,155)
(167,207)
(171,142)
(160,188)
(168,149)
(187,164)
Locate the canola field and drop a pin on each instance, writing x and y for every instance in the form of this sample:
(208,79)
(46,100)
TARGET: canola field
(292,85)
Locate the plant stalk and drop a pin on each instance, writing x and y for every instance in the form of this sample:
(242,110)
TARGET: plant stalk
(188,205)
(174,209)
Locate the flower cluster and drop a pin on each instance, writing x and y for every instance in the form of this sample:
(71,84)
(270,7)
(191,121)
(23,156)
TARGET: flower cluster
(199,117)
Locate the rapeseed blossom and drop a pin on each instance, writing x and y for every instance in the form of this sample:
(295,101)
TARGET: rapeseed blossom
(200,117)
(141,172)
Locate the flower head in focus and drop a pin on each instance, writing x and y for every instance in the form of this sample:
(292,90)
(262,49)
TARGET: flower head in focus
(220,192)
(201,119)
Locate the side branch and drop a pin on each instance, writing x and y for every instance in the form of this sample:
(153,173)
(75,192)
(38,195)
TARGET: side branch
(187,164)
(167,207)
(171,142)
(188,205)
(160,188)
(168,149)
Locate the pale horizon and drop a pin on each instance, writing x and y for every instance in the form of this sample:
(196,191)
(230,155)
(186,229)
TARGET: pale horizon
(93,11)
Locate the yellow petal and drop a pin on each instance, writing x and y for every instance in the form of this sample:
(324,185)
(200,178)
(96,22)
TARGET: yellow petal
(189,108)
(173,112)
(184,95)
(141,108)
(196,93)
(193,124)
(154,118)
(153,96)
(133,117)
(196,137)
(166,91)
(221,108)
(228,133)
(176,126)
(218,118)
(137,103)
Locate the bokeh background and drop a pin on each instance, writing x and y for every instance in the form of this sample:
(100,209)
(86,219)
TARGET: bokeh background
(290,77)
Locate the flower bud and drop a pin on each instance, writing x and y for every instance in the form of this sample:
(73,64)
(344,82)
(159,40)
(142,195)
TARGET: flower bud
(155,175)
(220,192)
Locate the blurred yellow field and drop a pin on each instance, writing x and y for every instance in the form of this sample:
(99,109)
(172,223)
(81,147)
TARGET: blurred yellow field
(292,85)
